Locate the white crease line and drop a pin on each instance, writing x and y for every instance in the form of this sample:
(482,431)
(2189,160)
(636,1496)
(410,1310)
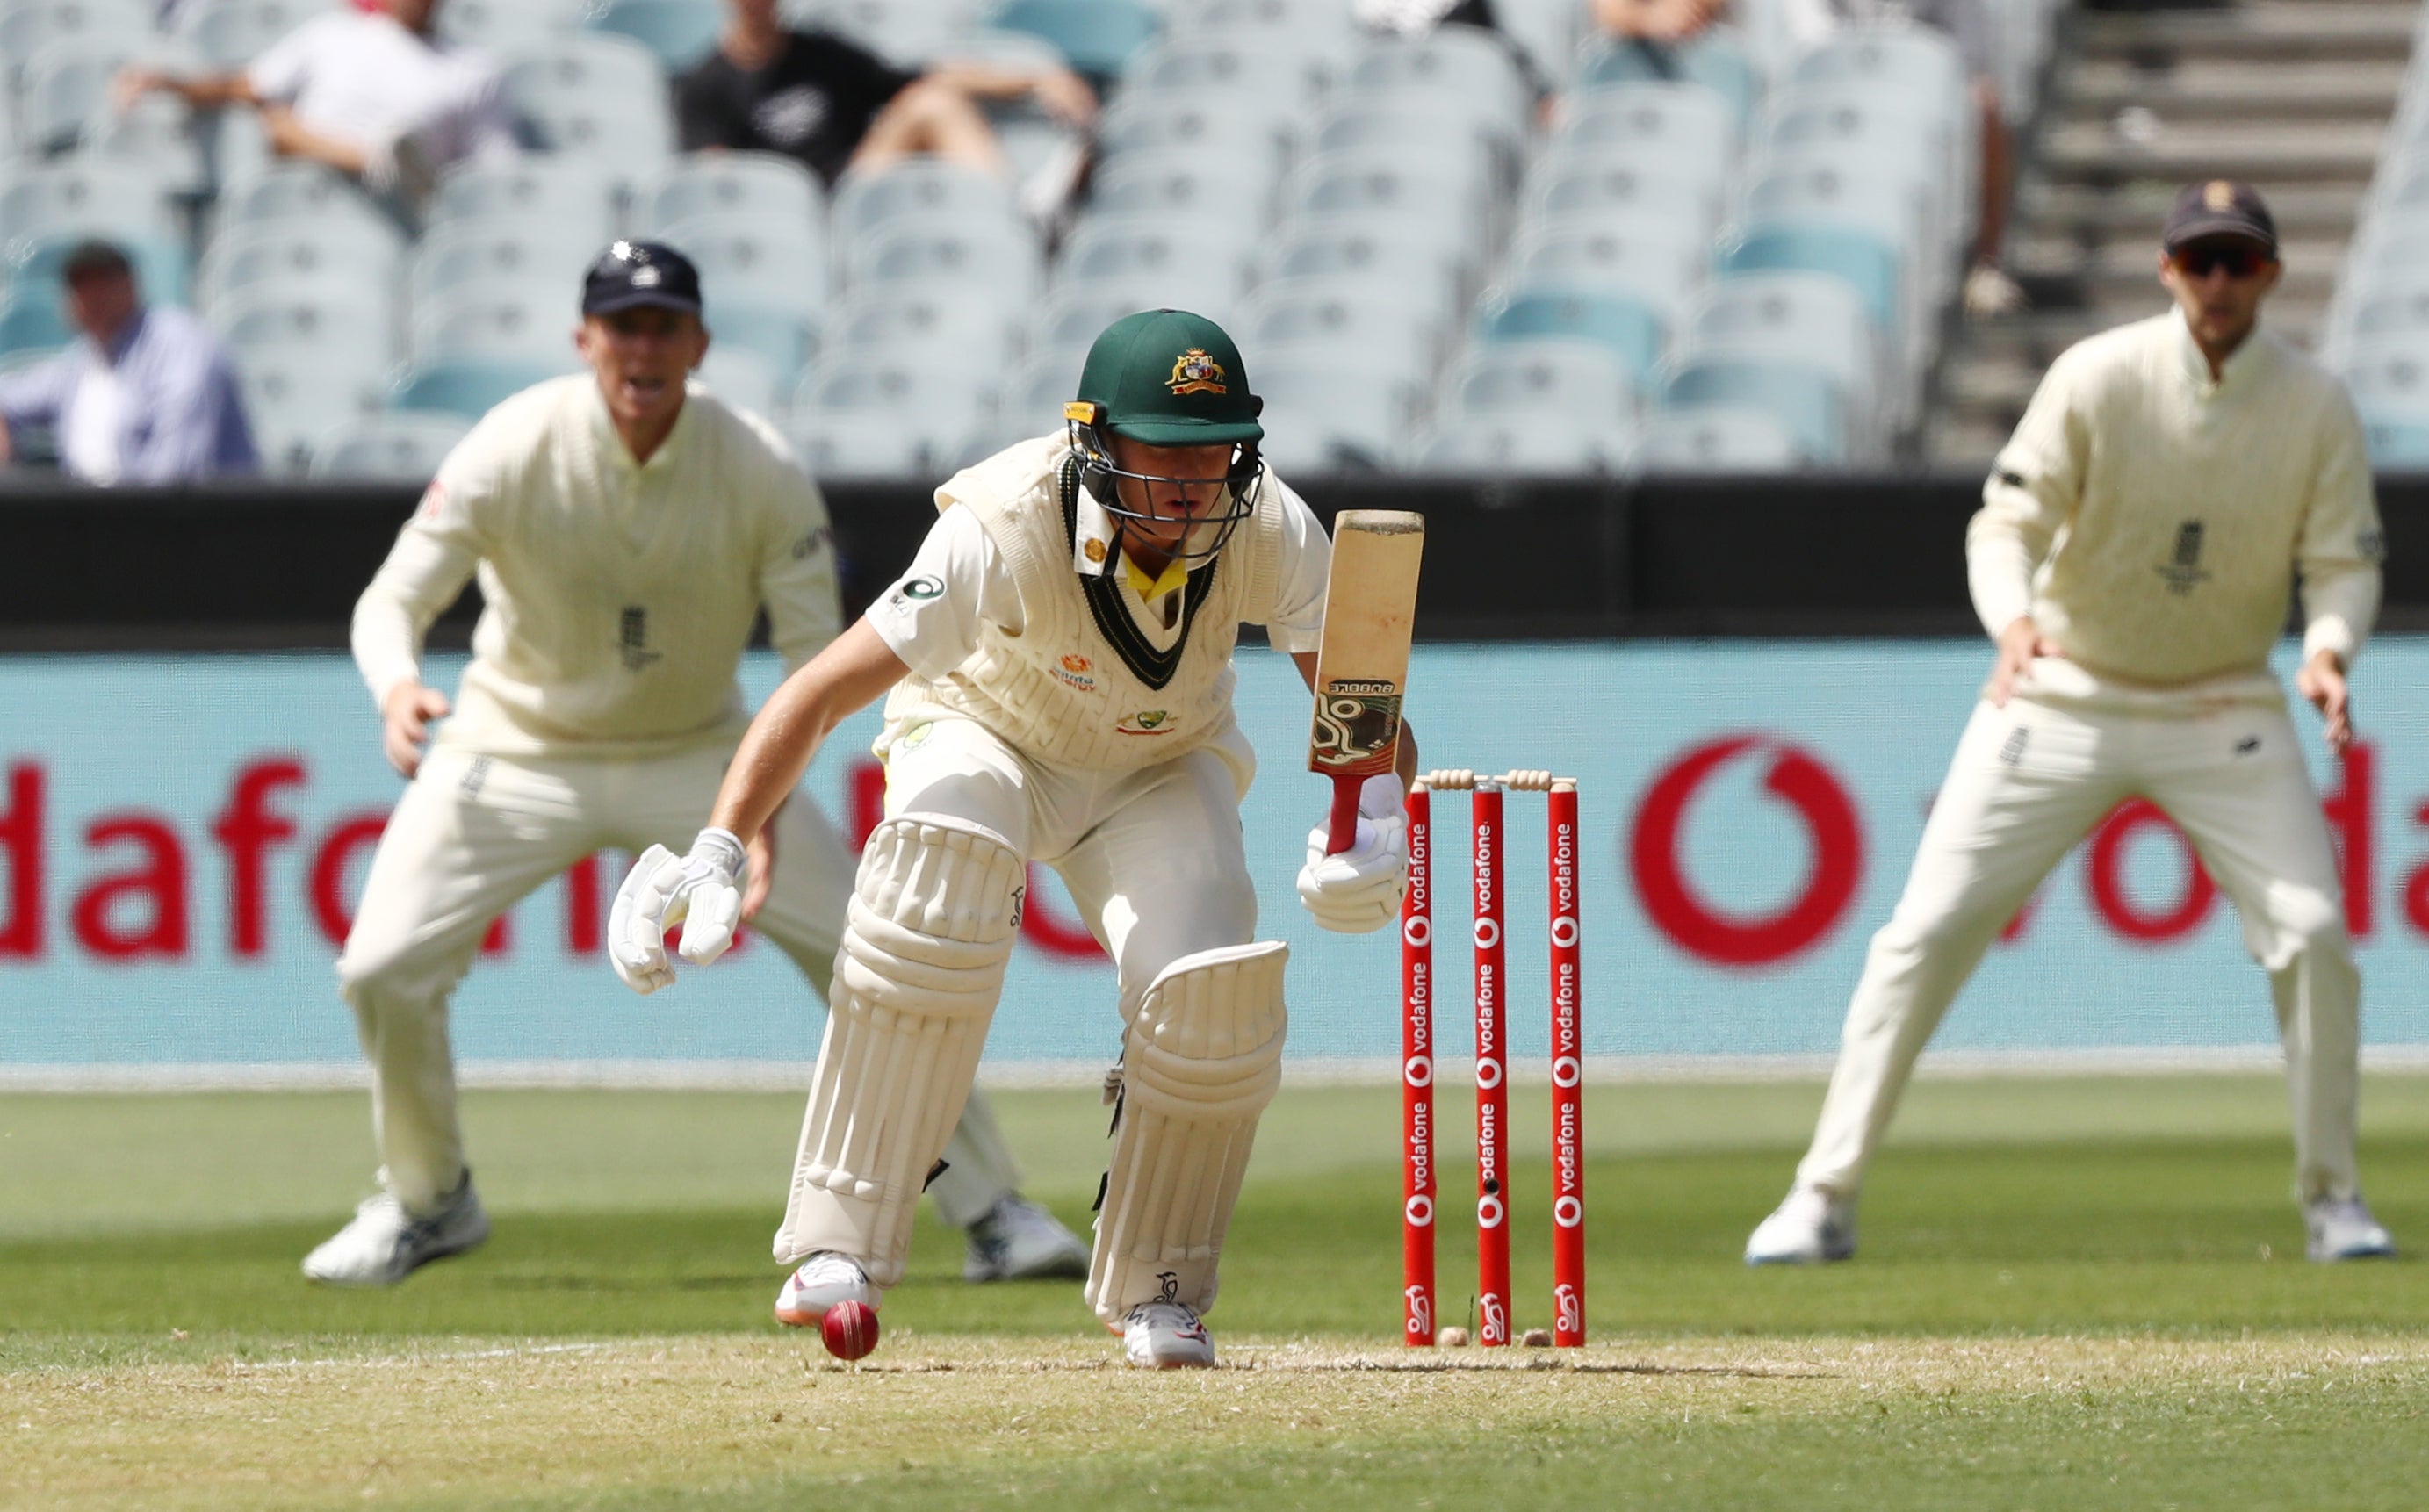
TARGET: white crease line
(388,1361)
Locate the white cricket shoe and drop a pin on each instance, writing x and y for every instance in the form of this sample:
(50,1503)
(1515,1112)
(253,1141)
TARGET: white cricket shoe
(823,1280)
(2341,1228)
(384,1243)
(1165,1335)
(1809,1227)
(1018,1240)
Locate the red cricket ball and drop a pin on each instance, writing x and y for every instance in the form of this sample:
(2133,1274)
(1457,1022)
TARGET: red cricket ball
(850,1330)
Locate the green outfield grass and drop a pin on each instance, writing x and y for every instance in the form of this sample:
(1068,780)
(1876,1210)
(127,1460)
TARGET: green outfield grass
(2082,1292)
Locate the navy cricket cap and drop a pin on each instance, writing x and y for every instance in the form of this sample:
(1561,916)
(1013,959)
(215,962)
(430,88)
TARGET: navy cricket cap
(634,274)
(2220,208)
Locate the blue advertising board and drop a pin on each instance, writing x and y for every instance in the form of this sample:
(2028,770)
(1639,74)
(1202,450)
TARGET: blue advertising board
(181,839)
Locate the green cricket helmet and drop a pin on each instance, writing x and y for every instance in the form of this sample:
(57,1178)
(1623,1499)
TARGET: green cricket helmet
(1167,378)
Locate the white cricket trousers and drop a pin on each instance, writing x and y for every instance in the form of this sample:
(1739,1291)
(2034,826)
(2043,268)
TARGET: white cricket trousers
(471,837)
(1154,859)
(2031,779)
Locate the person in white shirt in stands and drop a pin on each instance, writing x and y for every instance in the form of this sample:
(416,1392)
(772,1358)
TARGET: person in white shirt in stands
(2132,560)
(373,92)
(627,529)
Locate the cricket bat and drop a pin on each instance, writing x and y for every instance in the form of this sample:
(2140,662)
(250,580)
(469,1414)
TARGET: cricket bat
(1361,666)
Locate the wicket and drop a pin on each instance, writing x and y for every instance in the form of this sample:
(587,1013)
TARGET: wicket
(1417,1117)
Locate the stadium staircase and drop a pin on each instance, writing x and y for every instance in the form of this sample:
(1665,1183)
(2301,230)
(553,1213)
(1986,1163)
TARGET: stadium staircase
(2294,95)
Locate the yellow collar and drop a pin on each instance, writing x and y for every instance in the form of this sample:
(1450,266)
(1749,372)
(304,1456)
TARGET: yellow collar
(1176,572)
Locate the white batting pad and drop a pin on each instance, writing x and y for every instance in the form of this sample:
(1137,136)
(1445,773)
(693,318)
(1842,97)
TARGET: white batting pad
(1201,1060)
(916,978)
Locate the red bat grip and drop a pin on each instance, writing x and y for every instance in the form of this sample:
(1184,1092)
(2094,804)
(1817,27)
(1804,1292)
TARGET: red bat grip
(1341,830)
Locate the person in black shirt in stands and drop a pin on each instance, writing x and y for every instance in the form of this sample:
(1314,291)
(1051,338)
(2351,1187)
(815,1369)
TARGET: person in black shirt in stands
(833,105)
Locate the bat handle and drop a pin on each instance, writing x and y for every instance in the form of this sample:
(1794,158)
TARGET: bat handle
(1341,830)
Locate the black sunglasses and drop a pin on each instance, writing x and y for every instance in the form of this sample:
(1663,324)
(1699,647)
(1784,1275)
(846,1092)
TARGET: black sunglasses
(2235,262)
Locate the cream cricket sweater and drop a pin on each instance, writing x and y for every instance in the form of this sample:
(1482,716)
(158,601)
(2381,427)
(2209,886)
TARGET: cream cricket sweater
(2151,520)
(619,598)
(1082,684)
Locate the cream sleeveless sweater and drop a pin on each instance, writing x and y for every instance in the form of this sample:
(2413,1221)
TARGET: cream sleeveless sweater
(1080,685)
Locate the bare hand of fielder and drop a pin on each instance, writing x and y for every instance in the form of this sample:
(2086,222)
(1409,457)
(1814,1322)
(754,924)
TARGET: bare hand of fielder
(2322,681)
(2019,643)
(405,723)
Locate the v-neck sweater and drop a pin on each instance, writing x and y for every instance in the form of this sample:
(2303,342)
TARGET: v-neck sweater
(2152,517)
(618,596)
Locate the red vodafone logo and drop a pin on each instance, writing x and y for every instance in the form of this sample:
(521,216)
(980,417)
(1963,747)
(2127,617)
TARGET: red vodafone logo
(1796,778)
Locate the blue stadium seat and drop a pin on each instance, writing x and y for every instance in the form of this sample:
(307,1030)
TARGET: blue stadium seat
(1436,185)
(396,446)
(307,315)
(517,317)
(1864,261)
(1253,129)
(938,414)
(84,197)
(1807,320)
(595,96)
(1718,60)
(1178,181)
(1459,72)
(1388,322)
(1209,261)
(783,337)
(1653,264)
(357,254)
(1627,194)
(1581,378)
(1318,36)
(1716,440)
(568,190)
(919,189)
(1683,127)
(65,85)
(773,188)
(920,251)
(744,380)
(744,256)
(1812,407)
(940,322)
(513,248)
(1074,315)
(1433,272)
(2398,443)
(473,386)
(296,394)
(288,190)
(499,27)
(1098,37)
(1912,62)
(1029,403)
(228,34)
(1518,443)
(26,26)
(32,321)
(2389,375)
(160,132)
(1632,327)
(1331,409)
(907,35)
(679,32)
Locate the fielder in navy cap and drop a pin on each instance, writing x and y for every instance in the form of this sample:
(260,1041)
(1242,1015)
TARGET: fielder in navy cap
(641,334)
(632,274)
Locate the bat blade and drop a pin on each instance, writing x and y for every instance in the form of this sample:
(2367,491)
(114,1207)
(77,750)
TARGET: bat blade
(1363,663)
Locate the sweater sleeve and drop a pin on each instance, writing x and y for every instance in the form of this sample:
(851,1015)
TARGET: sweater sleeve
(435,555)
(2343,543)
(2033,488)
(797,570)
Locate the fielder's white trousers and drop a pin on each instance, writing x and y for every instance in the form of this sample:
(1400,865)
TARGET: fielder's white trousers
(471,837)
(2031,779)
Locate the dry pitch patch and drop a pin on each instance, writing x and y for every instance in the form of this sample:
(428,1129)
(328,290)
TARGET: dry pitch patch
(713,1422)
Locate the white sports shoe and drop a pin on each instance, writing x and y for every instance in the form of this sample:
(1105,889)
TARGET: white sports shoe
(2341,1228)
(823,1280)
(1165,1335)
(1018,1240)
(1807,1228)
(384,1243)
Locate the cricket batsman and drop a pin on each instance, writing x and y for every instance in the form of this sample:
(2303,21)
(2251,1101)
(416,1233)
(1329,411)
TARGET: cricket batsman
(626,530)
(1059,656)
(2132,559)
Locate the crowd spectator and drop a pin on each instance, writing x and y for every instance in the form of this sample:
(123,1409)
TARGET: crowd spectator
(833,105)
(146,396)
(372,91)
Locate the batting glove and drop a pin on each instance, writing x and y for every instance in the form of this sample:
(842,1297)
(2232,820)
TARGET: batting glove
(1359,890)
(703,892)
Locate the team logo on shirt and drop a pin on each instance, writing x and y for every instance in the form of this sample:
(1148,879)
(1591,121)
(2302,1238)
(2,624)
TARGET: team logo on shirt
(1094,549)
(1145,722)
(2183,572)
(1195,372)
(921,587)
(1075,669)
